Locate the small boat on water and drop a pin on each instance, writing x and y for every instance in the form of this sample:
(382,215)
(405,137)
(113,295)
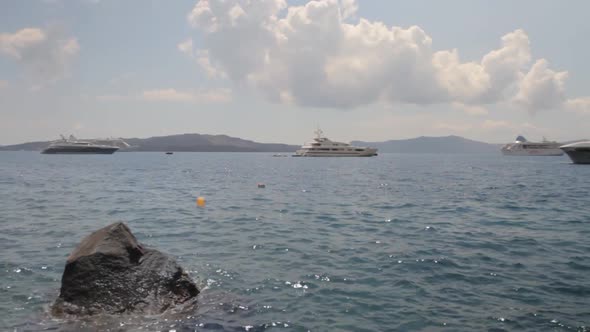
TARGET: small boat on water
(522,147)
(324,147)
(578,152)
(169,152)
(72,145)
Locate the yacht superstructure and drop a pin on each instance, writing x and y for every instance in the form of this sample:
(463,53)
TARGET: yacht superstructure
(324,147)
(522,147)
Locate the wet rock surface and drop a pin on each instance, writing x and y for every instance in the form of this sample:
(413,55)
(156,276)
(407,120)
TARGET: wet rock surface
(111,273)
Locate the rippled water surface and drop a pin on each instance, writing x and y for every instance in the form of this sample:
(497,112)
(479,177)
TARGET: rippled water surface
(396,242)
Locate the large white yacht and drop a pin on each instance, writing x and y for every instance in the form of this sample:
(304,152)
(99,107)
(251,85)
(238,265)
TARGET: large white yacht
(324,147)
(578,152)
(522,147)
(72,145)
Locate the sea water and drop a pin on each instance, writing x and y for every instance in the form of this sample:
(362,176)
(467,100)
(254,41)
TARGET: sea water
(397,242)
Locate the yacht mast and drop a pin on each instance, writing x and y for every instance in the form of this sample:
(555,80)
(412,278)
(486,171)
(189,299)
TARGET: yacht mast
(319,133)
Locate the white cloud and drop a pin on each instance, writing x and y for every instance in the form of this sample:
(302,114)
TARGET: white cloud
(201,57)
(312,55)
(457,127)
(172,95)
(14,44)
(508,128)
(121,79)
(45,54)
(580,105)
(175,96)
(542,88)
(112,97)
(64,2)
(167,95)
(490,126)
(496,124)
(348,8)
(504,65)
(186,47)
(470,109)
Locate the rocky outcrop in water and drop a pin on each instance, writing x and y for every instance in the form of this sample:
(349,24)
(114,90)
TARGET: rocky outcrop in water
(111,273)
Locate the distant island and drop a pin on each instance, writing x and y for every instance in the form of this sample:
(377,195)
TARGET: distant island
(425,144)
(178,143)
(224,143)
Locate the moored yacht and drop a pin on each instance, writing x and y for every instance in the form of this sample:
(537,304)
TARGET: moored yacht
(578,152)
(324,147)
(522,147)
(73,146)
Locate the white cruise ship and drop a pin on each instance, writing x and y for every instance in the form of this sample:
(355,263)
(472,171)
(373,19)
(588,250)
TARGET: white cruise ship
(522,147)
(324,147)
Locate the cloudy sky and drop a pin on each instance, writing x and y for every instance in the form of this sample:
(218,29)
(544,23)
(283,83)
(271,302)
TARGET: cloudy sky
(273,70)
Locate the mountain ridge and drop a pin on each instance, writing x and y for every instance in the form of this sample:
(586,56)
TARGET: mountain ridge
(204,143)
(432,144)
(192,142)
(178,143)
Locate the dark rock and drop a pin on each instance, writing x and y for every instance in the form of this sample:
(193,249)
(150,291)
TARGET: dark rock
(110,273)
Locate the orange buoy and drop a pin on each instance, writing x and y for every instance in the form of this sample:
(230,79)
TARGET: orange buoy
(201,201)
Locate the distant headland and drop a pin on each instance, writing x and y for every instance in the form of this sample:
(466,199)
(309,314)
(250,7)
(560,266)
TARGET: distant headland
(224,143)
(178,143)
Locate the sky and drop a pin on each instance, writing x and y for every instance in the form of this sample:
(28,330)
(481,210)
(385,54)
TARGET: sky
(275,70)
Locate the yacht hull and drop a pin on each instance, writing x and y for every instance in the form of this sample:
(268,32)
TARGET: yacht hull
(77,150)
(579,156)
(333,155)
(308,153)
(531,152)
